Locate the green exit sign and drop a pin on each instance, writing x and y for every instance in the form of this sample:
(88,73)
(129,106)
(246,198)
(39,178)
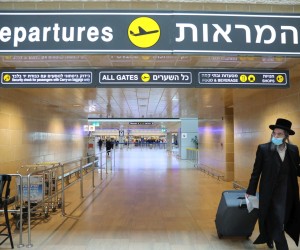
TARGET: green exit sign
(96,124)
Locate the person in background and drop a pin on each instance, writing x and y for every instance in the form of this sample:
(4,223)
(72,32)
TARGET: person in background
(108,145)
(276,168)
(100,142)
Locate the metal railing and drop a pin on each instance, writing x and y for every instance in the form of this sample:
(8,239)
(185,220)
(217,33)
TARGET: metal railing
(142,145)
(211,171)
(67,174)
(237,185)
(192,155)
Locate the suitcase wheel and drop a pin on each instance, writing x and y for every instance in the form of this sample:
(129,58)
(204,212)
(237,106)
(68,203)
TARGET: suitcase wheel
(18,224)
(220,235)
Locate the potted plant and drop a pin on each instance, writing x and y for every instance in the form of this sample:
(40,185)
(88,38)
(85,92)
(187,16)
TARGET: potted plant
(195,141)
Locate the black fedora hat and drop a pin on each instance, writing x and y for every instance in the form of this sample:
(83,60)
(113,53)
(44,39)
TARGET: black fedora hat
(283,124)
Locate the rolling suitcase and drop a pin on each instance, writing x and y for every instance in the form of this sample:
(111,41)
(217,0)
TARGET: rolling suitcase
(232,217)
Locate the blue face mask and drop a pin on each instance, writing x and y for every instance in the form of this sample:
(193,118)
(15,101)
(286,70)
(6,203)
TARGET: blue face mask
(277,141)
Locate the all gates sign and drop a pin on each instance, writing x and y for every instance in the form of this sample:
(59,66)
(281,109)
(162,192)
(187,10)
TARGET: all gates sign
(143,78)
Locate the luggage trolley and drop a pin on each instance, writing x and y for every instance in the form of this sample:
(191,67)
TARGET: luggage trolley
(43,191)
(51,184)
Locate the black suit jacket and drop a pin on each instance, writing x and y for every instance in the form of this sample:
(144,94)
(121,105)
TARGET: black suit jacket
(265,171)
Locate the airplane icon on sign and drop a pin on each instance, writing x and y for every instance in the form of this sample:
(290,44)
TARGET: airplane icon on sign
(143,32)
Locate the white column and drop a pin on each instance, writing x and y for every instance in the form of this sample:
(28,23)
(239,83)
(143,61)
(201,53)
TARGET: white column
(169,141)
(188,130)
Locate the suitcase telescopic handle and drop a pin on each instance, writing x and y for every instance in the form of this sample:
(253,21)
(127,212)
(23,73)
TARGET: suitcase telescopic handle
(242,203)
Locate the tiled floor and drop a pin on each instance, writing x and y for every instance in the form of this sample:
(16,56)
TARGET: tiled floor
(151,201)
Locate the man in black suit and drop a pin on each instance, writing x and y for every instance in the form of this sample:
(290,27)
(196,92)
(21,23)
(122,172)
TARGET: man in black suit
(276,168)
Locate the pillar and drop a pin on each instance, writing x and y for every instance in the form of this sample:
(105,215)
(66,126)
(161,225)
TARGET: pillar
(188,130)
(229,144)
(169,141)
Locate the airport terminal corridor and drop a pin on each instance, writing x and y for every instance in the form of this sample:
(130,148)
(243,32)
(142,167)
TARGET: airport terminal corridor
(199,76)
(152,200)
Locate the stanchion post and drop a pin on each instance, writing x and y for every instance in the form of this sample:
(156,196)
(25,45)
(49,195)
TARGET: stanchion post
(28,211)
(81,178)
(21,213)
(93,171)
(63,190)
(106,163)
(113,161)
(101,164)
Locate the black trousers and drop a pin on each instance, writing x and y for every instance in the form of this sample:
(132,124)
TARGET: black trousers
(277,213)
(275,226)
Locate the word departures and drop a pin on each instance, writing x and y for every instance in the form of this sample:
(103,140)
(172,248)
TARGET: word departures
(149,32)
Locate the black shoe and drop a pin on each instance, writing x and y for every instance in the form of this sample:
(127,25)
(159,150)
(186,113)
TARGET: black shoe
(270,244)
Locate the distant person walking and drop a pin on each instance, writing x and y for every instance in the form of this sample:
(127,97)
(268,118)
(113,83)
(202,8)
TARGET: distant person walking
(100,142)
(108,145)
